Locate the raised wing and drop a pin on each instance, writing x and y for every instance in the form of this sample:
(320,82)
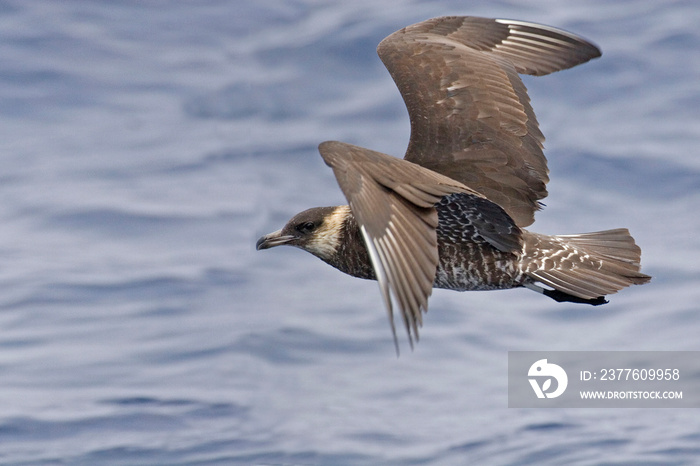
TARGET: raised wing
(393,202)
(471,118)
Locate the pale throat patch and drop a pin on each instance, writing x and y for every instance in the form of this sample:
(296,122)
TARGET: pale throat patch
(328,236)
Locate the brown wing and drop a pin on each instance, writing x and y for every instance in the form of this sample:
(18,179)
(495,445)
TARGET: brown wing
(471,118)
(393,202)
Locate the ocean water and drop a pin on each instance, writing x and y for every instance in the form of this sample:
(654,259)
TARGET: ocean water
(145,146)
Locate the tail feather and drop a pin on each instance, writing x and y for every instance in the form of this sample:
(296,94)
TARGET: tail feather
(588,265)
(614,244)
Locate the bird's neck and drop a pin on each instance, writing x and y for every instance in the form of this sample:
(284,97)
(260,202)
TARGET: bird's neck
(351,256)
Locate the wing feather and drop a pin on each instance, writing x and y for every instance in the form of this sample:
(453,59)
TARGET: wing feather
(471,117)
(393,201)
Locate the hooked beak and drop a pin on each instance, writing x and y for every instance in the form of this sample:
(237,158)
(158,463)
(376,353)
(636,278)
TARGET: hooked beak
(276,238)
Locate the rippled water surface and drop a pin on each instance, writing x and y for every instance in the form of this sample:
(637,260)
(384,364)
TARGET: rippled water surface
(145,146)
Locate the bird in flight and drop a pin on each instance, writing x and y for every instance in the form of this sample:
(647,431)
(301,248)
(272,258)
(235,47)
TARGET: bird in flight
(452,213)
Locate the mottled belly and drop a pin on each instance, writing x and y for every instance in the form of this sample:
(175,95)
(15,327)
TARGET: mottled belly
(468,267)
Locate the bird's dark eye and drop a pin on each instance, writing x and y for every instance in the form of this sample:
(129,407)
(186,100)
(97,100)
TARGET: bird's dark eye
(305,227)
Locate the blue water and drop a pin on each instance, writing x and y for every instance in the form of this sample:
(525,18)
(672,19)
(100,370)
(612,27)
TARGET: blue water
(144,146)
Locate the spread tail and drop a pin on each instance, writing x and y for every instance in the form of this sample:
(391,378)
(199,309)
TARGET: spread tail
(583,268)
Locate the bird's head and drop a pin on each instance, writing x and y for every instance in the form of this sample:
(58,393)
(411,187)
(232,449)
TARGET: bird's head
(319,231)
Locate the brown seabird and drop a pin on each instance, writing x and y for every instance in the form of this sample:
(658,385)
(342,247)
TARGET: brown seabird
(452,213)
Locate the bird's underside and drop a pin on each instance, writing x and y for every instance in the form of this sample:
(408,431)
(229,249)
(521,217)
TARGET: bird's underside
(452,213)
